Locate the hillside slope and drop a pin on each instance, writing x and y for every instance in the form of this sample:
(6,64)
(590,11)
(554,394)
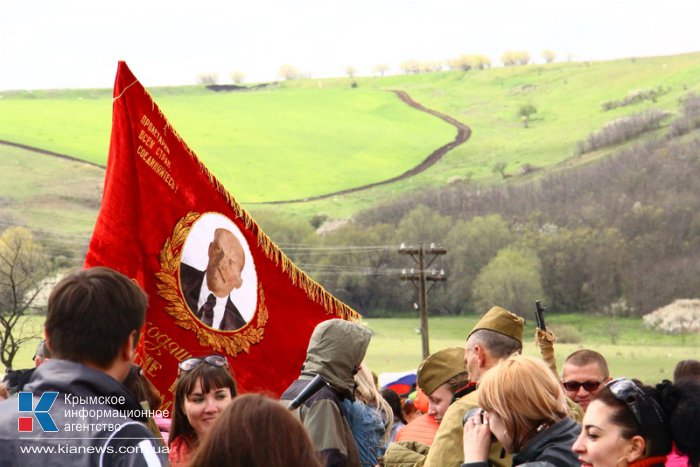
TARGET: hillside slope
(325,136)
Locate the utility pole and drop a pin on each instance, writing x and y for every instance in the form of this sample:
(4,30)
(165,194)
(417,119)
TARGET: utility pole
(423,275)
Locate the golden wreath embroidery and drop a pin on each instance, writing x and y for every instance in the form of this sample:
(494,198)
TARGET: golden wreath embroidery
(230,342)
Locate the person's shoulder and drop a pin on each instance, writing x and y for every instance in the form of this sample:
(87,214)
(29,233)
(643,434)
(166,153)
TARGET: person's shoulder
(145,449)
(8,415)
(461,406)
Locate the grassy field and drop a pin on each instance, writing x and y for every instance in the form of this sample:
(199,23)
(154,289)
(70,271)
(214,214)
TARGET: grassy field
(267,145)
(57,198)
(396,346)
(321,135)
(638,352)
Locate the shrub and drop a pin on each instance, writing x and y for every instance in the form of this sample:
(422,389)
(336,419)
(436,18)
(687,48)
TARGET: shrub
(623,129)
(566,333)
(681,316)
(635,97)
(689,119)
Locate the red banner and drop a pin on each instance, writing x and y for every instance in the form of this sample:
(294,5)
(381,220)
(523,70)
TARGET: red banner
(216,282)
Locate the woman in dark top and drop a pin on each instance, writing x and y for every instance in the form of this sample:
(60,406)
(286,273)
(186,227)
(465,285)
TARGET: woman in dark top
(628,424)
(523,406)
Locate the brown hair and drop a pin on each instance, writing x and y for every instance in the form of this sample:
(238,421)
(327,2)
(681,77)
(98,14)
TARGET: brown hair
(142,389)
(210,378)
(687,369)
(256,431)
(94,305)
(525,394)
(457,382)
(586,357)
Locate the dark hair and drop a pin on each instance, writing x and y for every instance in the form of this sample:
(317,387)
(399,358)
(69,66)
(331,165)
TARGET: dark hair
(679,404)
(586,357)
(42,351)
(256,431)
(394,401)
(96,305)
(499,345)
(457,382)
(210,378)
(142,389)
(687,369)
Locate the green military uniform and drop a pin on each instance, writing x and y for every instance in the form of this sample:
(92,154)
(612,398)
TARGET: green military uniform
(448,449)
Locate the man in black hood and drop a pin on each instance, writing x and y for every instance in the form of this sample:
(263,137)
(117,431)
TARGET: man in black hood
(335,351)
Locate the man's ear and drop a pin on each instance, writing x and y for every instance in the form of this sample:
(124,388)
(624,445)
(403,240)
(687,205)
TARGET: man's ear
(128,349)
(47,343)
(480,355)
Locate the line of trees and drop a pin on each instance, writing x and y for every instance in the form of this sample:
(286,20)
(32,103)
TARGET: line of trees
(464,62)
(621,237)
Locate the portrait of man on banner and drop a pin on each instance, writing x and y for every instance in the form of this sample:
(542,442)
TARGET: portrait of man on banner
(217,274)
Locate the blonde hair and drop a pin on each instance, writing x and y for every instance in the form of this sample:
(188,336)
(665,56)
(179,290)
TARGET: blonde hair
(366,392)
(525,394)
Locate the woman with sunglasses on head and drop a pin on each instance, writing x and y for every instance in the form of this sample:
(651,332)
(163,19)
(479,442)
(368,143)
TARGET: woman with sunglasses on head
(204,388)
(523,406)
(631,425)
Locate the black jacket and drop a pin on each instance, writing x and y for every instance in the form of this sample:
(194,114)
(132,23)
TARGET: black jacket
(107,430)
(548,448)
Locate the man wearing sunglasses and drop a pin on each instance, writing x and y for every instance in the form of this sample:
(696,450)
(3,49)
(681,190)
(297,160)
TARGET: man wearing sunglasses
(585,373)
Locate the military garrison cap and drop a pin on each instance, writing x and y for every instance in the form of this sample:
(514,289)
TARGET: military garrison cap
(502,321)
(439,368)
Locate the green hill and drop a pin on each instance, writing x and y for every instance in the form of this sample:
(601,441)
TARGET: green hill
(309,137)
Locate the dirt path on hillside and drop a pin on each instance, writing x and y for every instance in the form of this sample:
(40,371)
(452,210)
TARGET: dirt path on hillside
(463,133)
(49,153)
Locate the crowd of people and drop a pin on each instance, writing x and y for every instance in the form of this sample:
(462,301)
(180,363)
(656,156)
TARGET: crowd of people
(486,405)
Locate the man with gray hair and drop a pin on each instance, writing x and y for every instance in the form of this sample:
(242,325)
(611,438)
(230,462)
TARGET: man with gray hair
(497,336)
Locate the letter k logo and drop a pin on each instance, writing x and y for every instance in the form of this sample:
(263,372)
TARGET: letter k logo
(41,411)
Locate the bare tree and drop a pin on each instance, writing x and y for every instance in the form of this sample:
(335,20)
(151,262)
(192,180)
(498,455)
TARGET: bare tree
(480,62)
(500,167)
(549,55)
(350,71)
(430,66)
(410,66)
(207,78)
(380,69)
(515,57)
(237,77)
(522,57)
(23,266)
(289,72)
(508,58)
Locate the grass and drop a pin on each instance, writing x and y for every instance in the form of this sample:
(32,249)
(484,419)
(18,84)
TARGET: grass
(319,140)
(315,136)
(639,353)
(396,346)
(57,198)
